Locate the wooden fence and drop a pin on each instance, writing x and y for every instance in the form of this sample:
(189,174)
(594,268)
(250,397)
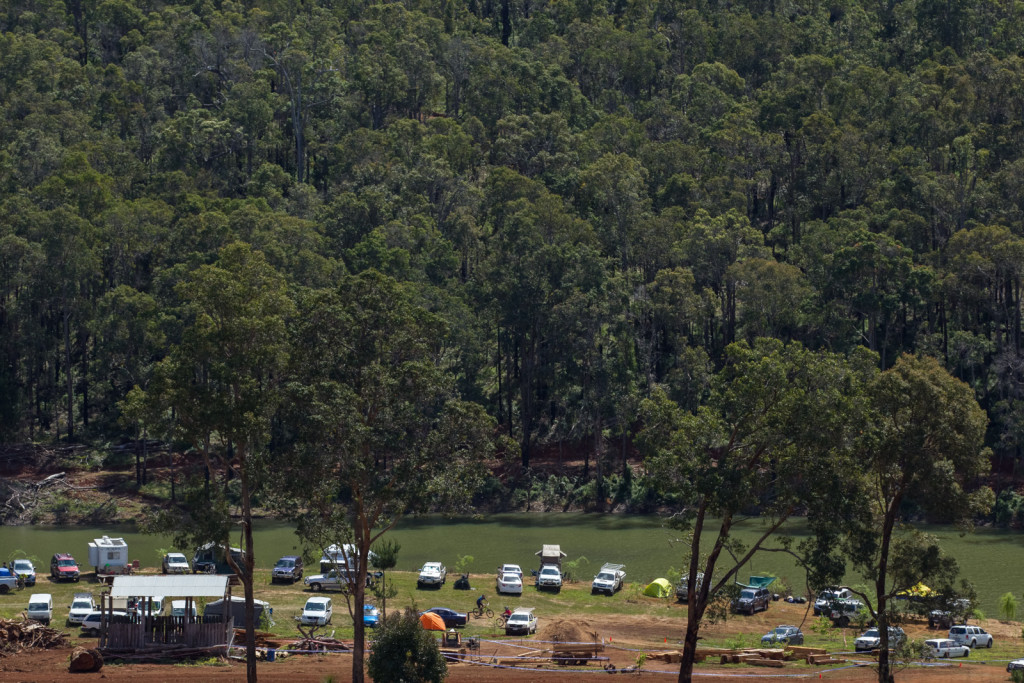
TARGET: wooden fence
(166,635)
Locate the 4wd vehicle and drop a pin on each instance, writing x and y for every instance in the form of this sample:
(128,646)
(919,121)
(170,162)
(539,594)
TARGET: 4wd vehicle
(8,580)
(609,579)
(826,597)
(971,636)
(174,563)
(288,568)
(944,648)
(752,600)
(521,622)
(63,568)
(432,574)
(332,580)
(91,622)
(872,639)
(25,570)
(683,587)
(81,605)
(212,559)
(317,612)
(790,635)
(844,612)
(549,576)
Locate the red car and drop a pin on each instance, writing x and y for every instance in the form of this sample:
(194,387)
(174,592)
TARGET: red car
(63,568)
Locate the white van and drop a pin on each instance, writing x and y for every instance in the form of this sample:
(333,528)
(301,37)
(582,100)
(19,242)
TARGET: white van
(40,607)
(317,612)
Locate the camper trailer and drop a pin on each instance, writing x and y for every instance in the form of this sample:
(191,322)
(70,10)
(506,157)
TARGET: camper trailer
(108,555)
(341,557)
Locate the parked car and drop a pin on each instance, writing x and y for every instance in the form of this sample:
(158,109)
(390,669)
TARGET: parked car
(944,648)
(752,600)
(432,574)
(332,580)
(288,568)
(63,568)
(608,579)
(371,616)
(81,605)
(25,570)
(522,621)
(683,587)
(149,605)
(179,610)
(953,613)
(511,569)
(451,617)
(91,622)
(549,576)
(844,612)
(971,636)
(8,580)
(872,639)
(509,583)
(317,612)
(40,607)
(790,635)
(823,603)
(1015,665)
(175,563)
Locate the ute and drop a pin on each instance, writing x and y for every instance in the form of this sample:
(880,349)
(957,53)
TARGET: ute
(81,605)
(550,577)
(609,579)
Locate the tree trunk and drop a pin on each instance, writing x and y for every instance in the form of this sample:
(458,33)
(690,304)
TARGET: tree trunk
(881,611)
(69,374)
(359,599)
(246,571)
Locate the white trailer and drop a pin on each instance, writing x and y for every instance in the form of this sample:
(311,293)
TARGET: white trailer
(108,555)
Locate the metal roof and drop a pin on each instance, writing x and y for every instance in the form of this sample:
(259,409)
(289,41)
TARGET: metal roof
(189,586)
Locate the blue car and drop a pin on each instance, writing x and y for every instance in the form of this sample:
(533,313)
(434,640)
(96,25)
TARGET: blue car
(451,617)
(371,616)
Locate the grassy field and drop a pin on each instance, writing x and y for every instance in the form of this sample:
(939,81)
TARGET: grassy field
(573,601)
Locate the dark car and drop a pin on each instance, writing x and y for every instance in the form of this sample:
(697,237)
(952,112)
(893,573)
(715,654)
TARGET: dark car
(288,568)
(63,568)
(451,617)
(789,635)
(752,600)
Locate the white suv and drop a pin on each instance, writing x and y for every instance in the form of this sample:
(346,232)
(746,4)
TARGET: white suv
(971,636)
(432,574)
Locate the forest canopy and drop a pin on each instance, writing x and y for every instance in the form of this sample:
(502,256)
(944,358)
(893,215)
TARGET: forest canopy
(593,199)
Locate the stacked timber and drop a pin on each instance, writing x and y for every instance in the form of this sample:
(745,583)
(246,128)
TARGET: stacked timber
(16,636)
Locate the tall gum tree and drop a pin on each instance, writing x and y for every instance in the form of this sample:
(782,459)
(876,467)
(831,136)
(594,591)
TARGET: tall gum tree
(775,433)
(221,385)
(377,420)
(924,450)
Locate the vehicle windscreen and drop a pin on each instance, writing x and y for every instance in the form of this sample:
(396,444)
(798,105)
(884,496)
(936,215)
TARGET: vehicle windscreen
(749,595)
(286,564)
(605,576)
(315,607)
(175,558)
(781,631)
(38,606)
(81,604)
(871,633)
(69,563)
(22,566)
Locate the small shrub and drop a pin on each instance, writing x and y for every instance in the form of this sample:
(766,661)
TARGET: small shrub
(1017,676)
(1008,606)
(402,652)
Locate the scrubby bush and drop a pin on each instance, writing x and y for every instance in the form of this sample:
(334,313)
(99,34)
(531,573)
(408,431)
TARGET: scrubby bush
(403,652)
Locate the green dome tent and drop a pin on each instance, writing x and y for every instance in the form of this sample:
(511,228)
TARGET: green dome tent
(659,588)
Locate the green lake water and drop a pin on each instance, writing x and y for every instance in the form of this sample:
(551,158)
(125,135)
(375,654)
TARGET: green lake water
(992,559)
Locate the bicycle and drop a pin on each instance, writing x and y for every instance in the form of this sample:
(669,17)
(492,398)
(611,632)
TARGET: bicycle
(482,611)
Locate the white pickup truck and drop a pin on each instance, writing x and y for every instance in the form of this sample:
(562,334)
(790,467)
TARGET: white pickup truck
(549,577)
(609,579)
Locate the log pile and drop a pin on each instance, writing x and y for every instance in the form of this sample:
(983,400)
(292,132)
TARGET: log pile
(16,636)
(320,645)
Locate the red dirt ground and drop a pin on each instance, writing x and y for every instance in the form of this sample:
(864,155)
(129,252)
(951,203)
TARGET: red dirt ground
(624,637)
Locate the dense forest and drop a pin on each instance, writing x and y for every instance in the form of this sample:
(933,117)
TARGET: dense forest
(593,199)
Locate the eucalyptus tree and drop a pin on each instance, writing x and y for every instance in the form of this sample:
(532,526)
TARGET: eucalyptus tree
(923,449)
(775,433)
(218,389)
(376,420)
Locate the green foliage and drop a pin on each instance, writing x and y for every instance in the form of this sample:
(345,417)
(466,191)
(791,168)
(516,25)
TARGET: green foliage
(462,564)
(1008,606)
(1017,676)
(403,652)
(824,628)
(571,568)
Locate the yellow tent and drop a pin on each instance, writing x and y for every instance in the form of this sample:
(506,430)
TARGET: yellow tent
(917,591)
(659,588)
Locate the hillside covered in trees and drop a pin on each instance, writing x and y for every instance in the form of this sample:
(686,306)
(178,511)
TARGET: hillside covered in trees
(590,199)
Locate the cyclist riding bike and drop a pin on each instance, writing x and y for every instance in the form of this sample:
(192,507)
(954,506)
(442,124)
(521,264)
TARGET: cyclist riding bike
(481,602)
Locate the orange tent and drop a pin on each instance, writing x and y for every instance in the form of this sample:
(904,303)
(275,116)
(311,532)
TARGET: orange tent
(431,621)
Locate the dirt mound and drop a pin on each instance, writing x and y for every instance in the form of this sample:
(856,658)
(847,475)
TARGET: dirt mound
(568,631)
